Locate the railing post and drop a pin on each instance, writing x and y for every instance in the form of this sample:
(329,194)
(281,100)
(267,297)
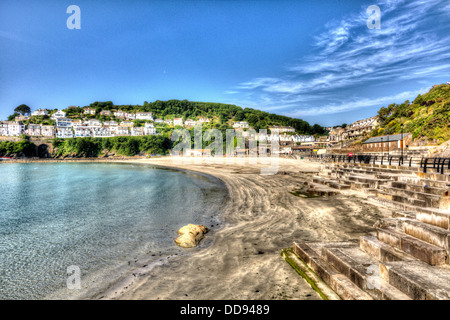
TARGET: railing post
(425,165)
(410,159)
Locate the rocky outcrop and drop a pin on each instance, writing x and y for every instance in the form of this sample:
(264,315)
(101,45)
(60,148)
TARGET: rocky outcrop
(190,235)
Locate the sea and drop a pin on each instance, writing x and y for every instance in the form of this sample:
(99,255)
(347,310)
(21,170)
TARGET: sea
(71,230)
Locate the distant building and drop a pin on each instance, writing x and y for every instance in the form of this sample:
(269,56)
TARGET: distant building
(64,132)
(110,123)
(15,128)
(82,132)
(130,116)
(159,121)
(360,127)
(277,129)
(126,124)
(33,130)
(63,122)
(189,123)
(178,121)
(203,120)
(40,112)
(144,116)
(105,113)
(119,114)
(21,118)
(149,129)
(90,111)
(168,122)
(303,139)
(58,115)
(48,131)
(387,143)
(241,124)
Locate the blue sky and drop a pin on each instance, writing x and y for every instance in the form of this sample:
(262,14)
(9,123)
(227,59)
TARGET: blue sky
(314,60)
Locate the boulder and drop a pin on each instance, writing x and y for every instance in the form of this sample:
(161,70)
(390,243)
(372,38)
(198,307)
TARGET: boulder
(190,235)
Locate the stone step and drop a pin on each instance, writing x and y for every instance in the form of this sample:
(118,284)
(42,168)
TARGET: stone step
(431,200)
(362,270)
(404,214)
(419,249)
(331,183)
(346,289)
(435,235)
(435,218)
(418,280)
(401,199)
(423,181)
(354,184)
(421,188)
(381,251)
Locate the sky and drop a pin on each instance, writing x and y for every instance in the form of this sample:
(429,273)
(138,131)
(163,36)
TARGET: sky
(314,60)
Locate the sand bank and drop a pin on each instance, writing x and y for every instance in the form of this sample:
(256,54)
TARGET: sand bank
(261,218)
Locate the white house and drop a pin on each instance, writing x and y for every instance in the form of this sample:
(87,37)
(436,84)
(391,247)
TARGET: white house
(130,116)
(63,122)
(58,115)
(203,120)
(149,129)
(277,129)
(126,124)
(241,124)
(93,123)
(303,138)
(159,121)
(82,132)
(33,130)
(178,121)
(137,131)
(64,132)
(15,128)
(119,114)
(101,132)
(144,116)
(48,131)
(110,123)
(77,123)
(40,112)
(189,123)
(122,131)
(3,128)
(89,111)
(168,122)
(105,113)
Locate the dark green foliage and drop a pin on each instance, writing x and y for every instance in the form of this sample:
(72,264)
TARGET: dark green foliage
(126,146)
(8,148)
(23,109)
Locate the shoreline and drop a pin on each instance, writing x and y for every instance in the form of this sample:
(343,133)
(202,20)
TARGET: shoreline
(243,259)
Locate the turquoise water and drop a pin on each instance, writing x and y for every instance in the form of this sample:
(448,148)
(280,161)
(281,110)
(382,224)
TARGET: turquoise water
(104,218)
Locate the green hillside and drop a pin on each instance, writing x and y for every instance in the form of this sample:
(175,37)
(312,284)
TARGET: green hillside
(427,117)
(222,113)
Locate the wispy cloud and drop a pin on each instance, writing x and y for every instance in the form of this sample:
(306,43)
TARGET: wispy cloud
(409,46)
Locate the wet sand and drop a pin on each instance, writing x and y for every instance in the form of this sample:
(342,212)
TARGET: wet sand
(260,219)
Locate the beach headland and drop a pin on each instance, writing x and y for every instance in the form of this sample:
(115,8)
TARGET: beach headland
(261,217)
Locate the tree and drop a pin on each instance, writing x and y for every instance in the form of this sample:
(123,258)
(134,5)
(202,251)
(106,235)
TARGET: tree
(23,109)
(13,116)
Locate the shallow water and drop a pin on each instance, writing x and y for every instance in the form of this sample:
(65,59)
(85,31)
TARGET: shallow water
(103,218)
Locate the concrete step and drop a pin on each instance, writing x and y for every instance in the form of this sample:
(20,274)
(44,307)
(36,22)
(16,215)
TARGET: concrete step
(386,195)
(431,200)
(435,218)
(419,249)
(331,183)
(423,181)
(435,235)
(381,251)
(404,214)
(346,289)
(421,188)
(362,270)
(418,280)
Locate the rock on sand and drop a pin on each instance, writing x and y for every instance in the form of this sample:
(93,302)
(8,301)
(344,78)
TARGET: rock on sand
(190,235)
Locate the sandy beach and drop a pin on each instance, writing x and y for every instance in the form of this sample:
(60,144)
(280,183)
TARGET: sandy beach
(260,218)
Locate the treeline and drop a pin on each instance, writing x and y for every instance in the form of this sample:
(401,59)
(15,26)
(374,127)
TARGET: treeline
(126,146)
(19,148)
(223,112)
